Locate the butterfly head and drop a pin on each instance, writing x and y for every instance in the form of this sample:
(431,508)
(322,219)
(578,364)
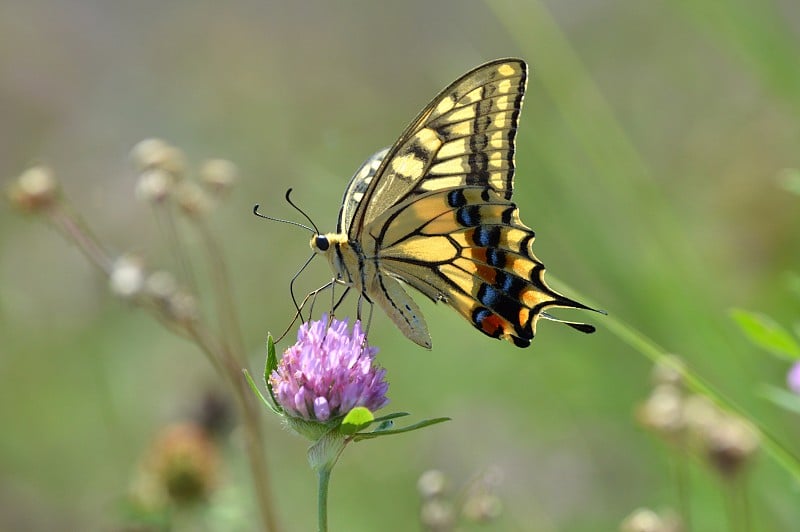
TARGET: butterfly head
(323,244)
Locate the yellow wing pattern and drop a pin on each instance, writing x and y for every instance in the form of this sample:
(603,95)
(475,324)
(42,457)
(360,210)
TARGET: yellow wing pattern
(435,211)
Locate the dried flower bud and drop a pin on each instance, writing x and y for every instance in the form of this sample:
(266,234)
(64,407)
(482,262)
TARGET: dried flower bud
(730,443)
(642,520)
(218,175)
(669,371)
(154,185)
(161,286)
(193,200)
(663,411)
(700,415)
(155,153)
(437,516)
(431,484)
(36,189)
(182,307)
(482,507)
(184,462)
(127,277)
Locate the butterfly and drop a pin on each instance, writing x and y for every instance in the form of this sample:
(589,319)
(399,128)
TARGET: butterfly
(434,211)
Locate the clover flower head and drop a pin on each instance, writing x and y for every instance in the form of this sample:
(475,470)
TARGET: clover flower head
(328,372)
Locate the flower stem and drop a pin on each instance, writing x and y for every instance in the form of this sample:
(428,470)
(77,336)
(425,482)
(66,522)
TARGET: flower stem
(323,476)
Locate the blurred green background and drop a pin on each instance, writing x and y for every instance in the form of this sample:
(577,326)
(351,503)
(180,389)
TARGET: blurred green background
(650,144)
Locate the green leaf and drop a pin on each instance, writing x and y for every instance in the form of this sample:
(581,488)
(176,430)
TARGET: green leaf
(766,333)
(270,366)
(783,398)
(356,419)
(388,417)
(274,407)
(409,428)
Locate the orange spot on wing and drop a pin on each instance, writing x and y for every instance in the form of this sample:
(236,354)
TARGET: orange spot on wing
(492,325)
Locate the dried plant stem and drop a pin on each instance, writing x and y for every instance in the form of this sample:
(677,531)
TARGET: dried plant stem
(251,420)
(73,230)
(220,355)
(226,309)
(165,218)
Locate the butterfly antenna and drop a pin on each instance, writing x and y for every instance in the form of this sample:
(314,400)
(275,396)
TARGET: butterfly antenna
(290,222)
(301,211)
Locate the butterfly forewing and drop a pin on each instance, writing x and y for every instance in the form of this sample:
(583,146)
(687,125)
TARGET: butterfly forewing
(465,136)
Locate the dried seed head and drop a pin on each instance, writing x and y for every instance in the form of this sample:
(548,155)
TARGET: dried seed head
(663,411)
(730,443)
(193,200)
(35,190)
(431,484)
(156,153)
(669,371)
(185,462)
(218,175)
(482,507)
(154,185)
(127,277)
(700,415)
(642,520)
(161,286)
(182,307)
(437,515)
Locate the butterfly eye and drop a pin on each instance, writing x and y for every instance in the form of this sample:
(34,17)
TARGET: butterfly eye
(322,243)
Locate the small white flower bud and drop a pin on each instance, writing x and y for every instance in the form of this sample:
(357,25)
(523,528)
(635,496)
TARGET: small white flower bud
(437,515)
(36,189)
(161,285)
(669,371)
(432,483)
(642,520)
(127,277)
(218,175)
(154,185)
(482,508)
(663,410)
(193,200)
(156,153)
(730,443)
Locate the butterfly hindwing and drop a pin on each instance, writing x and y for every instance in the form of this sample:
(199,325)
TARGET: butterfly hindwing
(471,251)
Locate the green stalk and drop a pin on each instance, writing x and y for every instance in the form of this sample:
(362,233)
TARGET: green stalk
(324,477)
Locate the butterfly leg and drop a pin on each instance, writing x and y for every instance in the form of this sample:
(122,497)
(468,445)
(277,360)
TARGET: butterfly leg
(369,323)
(291,290)
(298,313)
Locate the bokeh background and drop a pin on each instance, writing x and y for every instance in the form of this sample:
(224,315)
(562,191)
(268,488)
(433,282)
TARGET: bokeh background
(648,158)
